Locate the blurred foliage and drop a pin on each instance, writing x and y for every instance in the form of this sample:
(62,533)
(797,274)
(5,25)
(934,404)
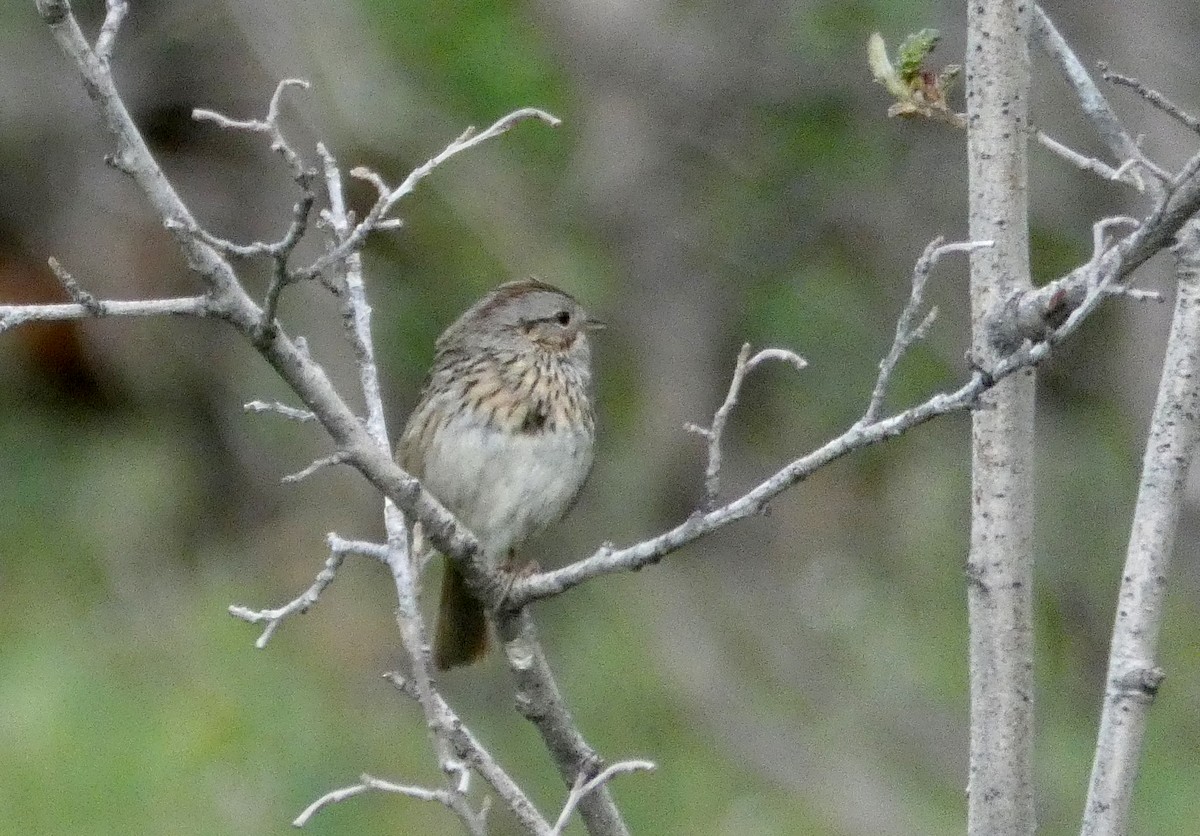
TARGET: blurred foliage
(724,174)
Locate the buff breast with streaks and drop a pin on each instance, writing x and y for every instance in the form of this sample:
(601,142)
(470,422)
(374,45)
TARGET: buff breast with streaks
(502,434)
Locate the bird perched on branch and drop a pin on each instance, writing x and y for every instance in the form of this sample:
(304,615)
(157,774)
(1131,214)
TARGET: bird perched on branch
(502,435)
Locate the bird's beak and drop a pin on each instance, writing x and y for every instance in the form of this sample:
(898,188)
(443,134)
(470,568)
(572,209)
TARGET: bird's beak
(595,325)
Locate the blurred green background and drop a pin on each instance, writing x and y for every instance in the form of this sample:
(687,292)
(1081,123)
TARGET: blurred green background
(725,172)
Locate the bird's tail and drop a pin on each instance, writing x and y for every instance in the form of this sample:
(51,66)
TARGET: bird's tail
(462,630)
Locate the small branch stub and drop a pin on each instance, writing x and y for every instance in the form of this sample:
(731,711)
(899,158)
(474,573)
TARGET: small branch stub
(745,364)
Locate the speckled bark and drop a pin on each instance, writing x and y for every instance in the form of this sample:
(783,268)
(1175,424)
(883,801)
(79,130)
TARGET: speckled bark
(1133,675)
(1000,564)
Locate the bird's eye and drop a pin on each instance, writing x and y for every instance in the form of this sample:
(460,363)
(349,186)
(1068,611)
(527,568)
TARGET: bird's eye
(563,318)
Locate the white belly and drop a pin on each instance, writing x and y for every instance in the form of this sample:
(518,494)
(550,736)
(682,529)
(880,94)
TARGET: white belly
(506,487)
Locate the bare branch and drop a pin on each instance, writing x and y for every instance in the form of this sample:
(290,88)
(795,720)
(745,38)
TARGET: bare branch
(107,39)
(469,139)
(340,457)
(356,312)
(365,448)
(745,363)
(539,700)
(227,248)
(1153,97)
(338,549)
(365,548)
(1133,674)
(906,334)
(13,315)
(281,250)
(77,293)
(368,783)
(1091,164)
(1137,294)
(230,302)
(468,747)
(607,559)
(269,125)
(87,306)
(1032,314)
(583,786)
(289,412)
(1100,230)
(1120,144)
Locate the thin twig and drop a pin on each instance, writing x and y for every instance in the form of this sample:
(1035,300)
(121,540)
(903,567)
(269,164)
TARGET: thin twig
(340,457)
(1152,96)
(368,783)
(268,125)
(583,786)
(469,139)
(338,549)
(289,412)
(744,365)
(74,290)
(107,39)
(1137,294)
(13,315)
(906,334)
(1120,143)
(1090,164)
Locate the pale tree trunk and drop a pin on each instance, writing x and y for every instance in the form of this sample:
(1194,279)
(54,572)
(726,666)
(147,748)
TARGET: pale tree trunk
(1133,674)
(1000,566)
